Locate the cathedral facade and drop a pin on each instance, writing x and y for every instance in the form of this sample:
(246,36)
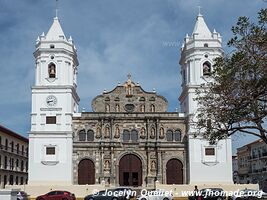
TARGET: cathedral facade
(129,138)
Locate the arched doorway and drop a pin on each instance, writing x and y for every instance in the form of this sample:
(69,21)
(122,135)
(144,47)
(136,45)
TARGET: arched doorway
(130,171)
(174,172)
(86,172)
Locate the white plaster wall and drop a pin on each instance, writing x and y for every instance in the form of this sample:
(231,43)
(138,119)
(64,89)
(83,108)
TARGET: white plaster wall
(43,169)
(210,169)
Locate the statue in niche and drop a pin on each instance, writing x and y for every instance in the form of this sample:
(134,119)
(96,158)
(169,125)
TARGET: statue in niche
(98,132)
(161,132)
(117,108)
(143,133)
(153,165)
(107,132)
(142,108)
(107,108)
(117,132)
(152,133)
(107,165)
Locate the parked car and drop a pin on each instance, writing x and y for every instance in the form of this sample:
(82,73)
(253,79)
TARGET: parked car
(247,194)
(121,193)
(155,195)
(212,194)
(22,195)
(264,195)
(57,195)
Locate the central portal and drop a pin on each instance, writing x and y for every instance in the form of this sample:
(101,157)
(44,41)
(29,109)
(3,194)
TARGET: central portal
(130,171)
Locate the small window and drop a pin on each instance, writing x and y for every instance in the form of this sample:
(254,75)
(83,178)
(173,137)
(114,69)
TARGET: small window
(209,151)
(126,136)
(107,99)
(21,180)
(82,135)
(169,135)
(12,146)
(90,135)
(22,149)
(51,120)
(142,99)
(177,135)
(52,70)
(129,107)
(206,45)
(117,99)
(134,135)
(6,147)
(22,166)
(52,46)
(184,76)
(50,150)
(152,99)
(18,148)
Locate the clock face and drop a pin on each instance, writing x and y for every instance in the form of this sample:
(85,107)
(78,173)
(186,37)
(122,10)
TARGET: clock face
(51,100)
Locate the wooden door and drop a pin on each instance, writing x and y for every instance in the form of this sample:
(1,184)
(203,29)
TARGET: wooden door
(130,171)
(174,172)
(86,172)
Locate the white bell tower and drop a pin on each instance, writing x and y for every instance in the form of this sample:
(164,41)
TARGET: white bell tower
(207,163)
(54,100)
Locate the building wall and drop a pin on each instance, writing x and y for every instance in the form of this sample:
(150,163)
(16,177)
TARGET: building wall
(13,158)
(252,163)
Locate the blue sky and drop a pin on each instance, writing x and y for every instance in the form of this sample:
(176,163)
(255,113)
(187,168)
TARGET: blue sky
(113,38)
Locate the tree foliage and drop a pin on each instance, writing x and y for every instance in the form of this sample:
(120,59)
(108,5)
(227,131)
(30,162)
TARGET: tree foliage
(236,101)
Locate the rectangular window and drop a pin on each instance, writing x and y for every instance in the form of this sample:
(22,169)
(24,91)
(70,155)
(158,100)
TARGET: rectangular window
(51,120)
(209,151)
(50,150)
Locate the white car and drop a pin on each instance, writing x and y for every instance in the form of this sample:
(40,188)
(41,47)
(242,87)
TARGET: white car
(155,195)
(247,194)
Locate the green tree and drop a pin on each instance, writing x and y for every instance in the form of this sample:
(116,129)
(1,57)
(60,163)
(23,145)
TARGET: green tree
(236,102)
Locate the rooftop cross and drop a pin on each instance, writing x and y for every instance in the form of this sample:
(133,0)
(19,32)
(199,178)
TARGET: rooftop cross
(57,8)
(199,10)
(129,76)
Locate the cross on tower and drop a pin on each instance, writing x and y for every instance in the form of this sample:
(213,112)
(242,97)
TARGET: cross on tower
(57,8)
(199,10)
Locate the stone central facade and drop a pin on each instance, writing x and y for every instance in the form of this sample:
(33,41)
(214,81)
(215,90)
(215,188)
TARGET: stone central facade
(129,139)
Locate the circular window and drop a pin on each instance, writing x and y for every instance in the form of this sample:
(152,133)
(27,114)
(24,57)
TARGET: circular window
(129,107)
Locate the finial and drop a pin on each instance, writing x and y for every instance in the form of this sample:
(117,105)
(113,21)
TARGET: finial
(56,9)
(129,76)
(199,11)
(70,39)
